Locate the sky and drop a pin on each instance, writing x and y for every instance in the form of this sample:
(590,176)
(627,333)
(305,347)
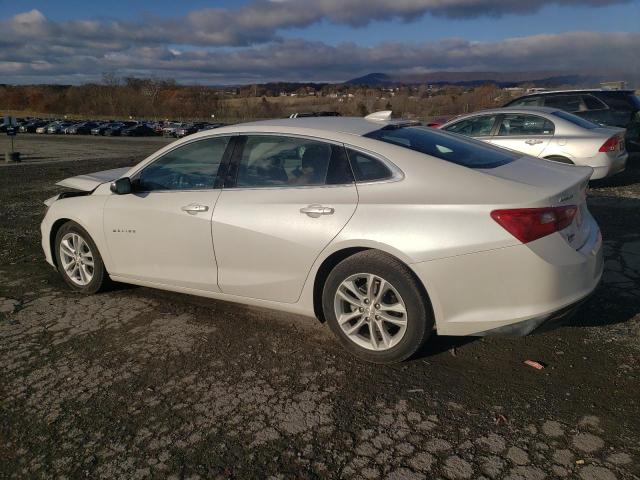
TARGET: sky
(255,41)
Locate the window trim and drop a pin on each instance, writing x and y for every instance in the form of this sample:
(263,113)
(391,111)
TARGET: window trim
(231,180)
(217,182)
(496,127)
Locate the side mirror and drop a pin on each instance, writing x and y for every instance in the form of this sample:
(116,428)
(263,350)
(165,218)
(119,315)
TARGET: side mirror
(122,186)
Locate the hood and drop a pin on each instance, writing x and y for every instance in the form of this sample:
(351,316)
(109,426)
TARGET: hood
(90,181)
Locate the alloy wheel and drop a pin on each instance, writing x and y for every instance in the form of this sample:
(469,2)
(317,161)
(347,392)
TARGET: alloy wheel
(77,259)
(370,311)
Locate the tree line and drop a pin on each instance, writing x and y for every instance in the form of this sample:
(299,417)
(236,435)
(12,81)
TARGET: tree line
(148,98)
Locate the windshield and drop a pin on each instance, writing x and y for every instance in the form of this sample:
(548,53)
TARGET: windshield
(446,146)
(576,120)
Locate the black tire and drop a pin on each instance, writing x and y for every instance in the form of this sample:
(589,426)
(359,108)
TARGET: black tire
(100,278)
(559,159)
(419,316)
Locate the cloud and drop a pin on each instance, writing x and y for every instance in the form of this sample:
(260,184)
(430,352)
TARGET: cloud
(300,60)
(258,21)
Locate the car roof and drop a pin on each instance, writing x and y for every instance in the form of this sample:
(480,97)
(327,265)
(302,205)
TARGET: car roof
(531,110)
(351,125)
(577,90)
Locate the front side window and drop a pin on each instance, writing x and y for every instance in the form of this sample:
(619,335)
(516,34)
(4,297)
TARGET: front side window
(279,161)
(474,127)
(189,167)
(515,124)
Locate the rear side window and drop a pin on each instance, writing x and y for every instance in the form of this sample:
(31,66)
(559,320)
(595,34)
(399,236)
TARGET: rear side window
(446,146)
(367,168)
(515,124)
(576,120)
(620,102)
(280,161)
(570,103)
(480,126)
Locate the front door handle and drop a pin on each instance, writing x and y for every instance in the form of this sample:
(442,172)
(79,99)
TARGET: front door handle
(314,211)
(194,208)
(533,141)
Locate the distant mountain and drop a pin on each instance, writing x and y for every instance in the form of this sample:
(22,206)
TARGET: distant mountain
(373,80)
(502,79)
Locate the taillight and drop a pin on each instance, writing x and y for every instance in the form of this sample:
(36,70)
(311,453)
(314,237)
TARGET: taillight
(529,224)
(610,145)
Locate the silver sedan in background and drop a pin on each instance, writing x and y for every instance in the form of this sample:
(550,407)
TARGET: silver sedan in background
(548,133)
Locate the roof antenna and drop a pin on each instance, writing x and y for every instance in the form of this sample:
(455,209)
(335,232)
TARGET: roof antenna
(381,116)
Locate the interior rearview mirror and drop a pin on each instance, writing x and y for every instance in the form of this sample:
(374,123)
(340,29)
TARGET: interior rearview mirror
(122,186)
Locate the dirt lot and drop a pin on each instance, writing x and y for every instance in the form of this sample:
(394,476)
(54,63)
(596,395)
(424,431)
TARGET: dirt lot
(137,383)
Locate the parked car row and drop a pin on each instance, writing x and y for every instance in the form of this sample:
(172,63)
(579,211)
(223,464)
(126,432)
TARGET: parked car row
(111,128)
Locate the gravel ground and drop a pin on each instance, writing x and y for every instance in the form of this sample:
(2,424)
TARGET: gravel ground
(137,383)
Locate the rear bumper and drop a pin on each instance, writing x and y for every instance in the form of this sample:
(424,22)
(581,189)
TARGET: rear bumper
(512,290)
(538,324)
(612,166)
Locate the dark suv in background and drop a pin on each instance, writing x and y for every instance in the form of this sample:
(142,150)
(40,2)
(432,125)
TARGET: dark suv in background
(618,108)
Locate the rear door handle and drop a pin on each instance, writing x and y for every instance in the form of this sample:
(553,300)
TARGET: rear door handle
(194,208)
(533,141)
(315,211)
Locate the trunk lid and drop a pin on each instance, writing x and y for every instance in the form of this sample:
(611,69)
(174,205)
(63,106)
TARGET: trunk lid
(88,182)
(557,185)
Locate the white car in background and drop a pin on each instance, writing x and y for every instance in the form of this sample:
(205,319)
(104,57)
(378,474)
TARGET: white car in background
(548,133)
(386,230)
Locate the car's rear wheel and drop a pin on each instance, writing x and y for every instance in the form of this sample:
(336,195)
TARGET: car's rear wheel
(376,307)
(78,259)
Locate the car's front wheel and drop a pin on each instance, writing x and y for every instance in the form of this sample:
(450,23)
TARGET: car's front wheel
(78,259)
(376,307)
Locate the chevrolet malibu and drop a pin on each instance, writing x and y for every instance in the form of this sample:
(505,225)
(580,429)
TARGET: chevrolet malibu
(386,230)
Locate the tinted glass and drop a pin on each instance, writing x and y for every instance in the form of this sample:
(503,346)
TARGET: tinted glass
(191,167)
(446,146)
(570,103)
(515,124)
(623,102)
(473,127)
(366,168)
(526,102)
(592,103)
(276,161)
(576,120)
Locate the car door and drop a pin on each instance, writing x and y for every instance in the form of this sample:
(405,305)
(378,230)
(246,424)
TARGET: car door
(161,232)
(524,133)
(286,198)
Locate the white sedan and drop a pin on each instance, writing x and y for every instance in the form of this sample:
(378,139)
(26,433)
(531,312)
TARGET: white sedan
(384,229)
(548,133)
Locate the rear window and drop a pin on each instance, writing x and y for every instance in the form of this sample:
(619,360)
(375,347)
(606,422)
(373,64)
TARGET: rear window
(576,120)
(446,146)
